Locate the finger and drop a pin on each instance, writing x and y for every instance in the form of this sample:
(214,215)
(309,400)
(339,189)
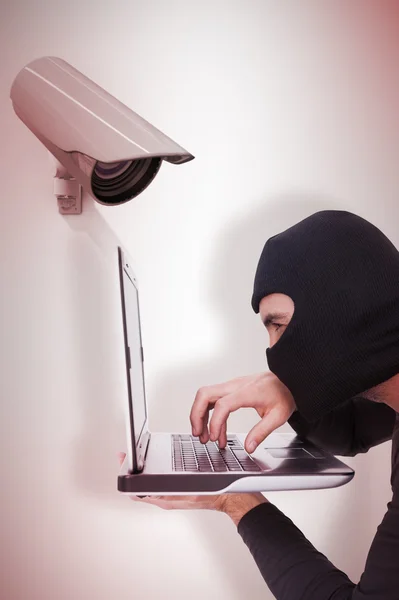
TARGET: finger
(207,396)
(142,498)
(178,498)
(204,400)
(121,457)
(152,501)
(223,436)
(224,407)
(204,437)
(271,421)
(165,502)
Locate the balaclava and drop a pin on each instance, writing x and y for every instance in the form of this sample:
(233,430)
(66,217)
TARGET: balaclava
(342,273)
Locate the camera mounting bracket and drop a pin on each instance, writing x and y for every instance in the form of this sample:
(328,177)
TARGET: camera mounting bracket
(67,190)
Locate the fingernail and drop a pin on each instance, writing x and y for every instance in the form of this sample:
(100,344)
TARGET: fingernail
(252,446)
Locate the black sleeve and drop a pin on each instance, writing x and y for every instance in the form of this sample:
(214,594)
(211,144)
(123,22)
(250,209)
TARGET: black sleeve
(350,429)
(294,570)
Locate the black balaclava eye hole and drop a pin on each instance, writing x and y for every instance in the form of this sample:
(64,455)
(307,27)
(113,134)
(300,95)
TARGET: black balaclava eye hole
(342,274)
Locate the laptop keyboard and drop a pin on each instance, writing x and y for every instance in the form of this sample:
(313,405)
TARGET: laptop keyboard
(189,454)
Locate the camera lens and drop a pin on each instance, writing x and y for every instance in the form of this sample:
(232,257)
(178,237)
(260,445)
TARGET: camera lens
(108,170)
(117,182)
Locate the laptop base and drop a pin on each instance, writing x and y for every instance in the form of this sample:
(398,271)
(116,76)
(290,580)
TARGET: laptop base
(287,462)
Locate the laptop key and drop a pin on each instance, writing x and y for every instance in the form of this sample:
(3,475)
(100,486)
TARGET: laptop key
(191,455)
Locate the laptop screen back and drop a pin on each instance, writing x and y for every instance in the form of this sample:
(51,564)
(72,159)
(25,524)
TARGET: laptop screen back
(134,356)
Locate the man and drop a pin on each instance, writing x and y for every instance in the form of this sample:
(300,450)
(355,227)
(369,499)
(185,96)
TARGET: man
(327,290)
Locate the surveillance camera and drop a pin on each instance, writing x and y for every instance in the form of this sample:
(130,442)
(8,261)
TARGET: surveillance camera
(111,151)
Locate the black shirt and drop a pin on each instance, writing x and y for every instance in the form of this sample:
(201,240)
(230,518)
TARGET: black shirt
(291,566)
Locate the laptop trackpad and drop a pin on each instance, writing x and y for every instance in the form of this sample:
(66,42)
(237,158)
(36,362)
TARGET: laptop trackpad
(289,453)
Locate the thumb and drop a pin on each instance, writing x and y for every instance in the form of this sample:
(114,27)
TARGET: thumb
(121,457)
(261,430)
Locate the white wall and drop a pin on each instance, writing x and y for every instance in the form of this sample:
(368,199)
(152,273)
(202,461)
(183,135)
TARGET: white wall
(290,108)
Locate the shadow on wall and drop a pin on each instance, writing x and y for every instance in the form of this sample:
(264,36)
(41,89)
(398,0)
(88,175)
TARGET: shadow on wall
(98,349)
(230,286)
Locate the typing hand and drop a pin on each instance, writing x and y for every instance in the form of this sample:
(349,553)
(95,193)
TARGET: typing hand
(264,392)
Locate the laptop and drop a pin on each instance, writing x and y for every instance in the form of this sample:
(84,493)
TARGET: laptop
(178,463)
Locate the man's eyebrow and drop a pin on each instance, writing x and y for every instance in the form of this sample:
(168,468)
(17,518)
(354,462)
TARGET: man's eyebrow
(275,316)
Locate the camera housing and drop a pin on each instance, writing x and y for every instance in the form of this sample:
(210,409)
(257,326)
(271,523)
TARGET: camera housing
(109,150)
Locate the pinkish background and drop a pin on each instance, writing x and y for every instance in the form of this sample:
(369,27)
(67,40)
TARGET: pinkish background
(289,107)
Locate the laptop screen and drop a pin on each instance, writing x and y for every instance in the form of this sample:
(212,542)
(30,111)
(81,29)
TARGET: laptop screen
(137,429)
(136,364)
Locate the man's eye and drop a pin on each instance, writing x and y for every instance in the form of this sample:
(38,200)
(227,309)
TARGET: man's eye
(276,325)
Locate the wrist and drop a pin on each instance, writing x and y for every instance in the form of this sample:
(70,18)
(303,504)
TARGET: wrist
(237,505)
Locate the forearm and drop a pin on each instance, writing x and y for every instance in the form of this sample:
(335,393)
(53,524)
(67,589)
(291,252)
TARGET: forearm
(350,429)
(237,505)
(292,568)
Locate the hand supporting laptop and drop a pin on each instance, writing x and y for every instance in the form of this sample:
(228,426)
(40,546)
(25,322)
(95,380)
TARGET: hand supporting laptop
(273,402)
